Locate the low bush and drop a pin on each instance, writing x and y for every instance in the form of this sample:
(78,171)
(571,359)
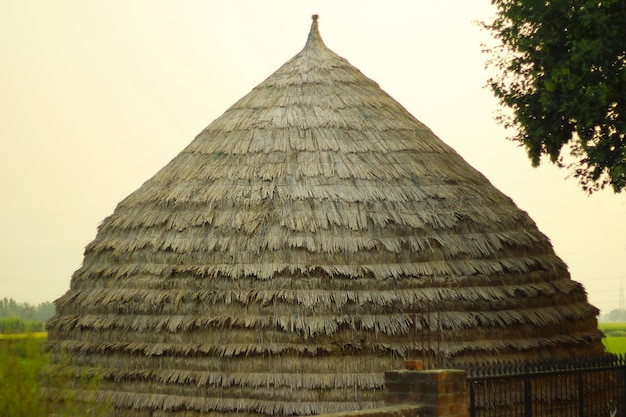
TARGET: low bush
(21,359)
(12,325)
(24,365)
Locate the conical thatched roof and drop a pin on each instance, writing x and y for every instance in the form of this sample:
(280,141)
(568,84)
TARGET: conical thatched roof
(312,237)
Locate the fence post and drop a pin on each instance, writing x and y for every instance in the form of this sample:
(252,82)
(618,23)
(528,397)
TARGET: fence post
(581,394)
(528,398)
(622,385)
(528,394)
(472,400)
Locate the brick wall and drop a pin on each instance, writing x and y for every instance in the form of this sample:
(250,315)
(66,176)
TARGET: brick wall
(440,392)
(407,410)
(419,393)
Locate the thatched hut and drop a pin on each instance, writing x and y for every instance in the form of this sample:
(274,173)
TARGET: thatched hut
(312,237)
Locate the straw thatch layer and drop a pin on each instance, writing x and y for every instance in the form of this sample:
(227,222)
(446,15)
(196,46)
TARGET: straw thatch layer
(312,237)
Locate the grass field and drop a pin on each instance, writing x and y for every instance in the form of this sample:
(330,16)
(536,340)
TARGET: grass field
(13,336)
(22,359)
(615,340)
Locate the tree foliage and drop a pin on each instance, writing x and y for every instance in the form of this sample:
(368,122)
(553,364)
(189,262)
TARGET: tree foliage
(617,315)
(11,308)
(561,68)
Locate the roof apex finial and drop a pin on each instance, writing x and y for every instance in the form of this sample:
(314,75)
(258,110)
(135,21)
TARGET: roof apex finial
(314,40)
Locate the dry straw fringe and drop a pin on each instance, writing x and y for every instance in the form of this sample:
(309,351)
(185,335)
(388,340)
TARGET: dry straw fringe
(309,239)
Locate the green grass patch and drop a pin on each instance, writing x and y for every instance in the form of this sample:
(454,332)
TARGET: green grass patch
(613,329)
(20,362)
(41,336)
(615,340)
(25,365)
(615,345)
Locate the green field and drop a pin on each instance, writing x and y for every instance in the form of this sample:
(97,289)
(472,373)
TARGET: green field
(41,336)
(615,340)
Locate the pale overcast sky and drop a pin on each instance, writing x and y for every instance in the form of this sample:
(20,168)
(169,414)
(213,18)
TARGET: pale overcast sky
(96,96)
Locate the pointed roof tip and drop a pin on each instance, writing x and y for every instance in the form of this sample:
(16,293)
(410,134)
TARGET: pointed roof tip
(314,39)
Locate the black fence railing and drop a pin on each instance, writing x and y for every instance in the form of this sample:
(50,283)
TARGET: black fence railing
(590,387)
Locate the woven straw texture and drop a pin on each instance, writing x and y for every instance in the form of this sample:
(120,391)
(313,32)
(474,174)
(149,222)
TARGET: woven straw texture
(312,237)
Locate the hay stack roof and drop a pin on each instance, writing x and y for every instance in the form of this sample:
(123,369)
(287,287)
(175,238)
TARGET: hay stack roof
(312,237)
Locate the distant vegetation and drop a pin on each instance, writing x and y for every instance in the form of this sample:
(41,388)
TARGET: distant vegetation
(613,329)
(17,325)
(27,312)
(614,316)
(23,317)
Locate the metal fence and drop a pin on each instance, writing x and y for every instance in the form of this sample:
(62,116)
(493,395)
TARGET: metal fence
(592,387)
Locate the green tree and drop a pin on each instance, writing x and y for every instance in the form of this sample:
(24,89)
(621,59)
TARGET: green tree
(617,316)
(42,312)
(561,71)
